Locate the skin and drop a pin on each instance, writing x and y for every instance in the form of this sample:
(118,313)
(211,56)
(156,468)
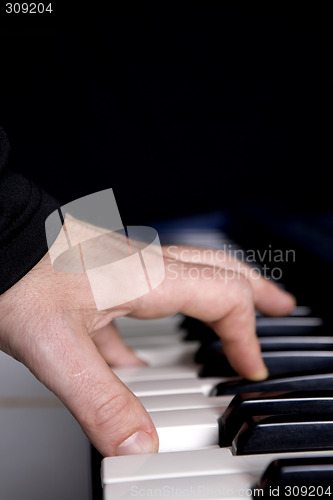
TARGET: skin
(49,322)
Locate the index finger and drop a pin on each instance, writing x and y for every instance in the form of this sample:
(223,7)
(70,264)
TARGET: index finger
(225,300)
(268,298)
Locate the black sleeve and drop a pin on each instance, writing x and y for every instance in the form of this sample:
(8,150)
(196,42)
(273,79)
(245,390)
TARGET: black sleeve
(24,208)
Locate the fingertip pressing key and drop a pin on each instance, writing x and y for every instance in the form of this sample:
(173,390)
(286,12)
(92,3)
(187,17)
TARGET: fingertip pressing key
(260,374)
(139,442)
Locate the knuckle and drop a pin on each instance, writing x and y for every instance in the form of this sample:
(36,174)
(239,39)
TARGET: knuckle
(111,411)
(241,289)
(242,299)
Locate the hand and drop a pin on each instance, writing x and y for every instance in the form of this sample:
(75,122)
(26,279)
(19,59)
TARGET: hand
(49,322)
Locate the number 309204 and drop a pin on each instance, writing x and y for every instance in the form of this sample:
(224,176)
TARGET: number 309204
(28,8)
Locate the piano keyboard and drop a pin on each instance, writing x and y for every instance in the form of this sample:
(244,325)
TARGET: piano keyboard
(193,460)
(215,441)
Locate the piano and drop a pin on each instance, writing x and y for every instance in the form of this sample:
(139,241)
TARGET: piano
(221,436)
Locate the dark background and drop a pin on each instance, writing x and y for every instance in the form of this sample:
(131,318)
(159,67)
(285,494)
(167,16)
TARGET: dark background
(180,107)
(183,108)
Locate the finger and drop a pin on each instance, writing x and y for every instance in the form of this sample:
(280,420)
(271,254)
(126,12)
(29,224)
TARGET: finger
(113,348)
(268,298)
(225,300)
(66,360)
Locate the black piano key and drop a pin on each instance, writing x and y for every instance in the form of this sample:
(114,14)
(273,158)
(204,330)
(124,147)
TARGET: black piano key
(274,403)
(297,477)
(307,343)
(288,325)
(268,344)
(265,326)
(279,363)
(322,382)
(207,350)
(298,311)
(287,433)
(197,330)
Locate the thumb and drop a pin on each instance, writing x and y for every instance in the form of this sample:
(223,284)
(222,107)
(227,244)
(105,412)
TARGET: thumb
(110,415)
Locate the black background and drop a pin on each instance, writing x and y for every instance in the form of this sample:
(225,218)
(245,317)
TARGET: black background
(180,107)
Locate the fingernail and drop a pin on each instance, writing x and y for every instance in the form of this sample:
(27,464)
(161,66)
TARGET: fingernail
(261,374)
(139,442)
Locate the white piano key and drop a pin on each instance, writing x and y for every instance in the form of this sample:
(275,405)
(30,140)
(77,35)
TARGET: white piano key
(192,463)
(132,327)
(168,355)
(183,401)
(155,340)
(183,386)
(141,373)
(223,487)
(180,430)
